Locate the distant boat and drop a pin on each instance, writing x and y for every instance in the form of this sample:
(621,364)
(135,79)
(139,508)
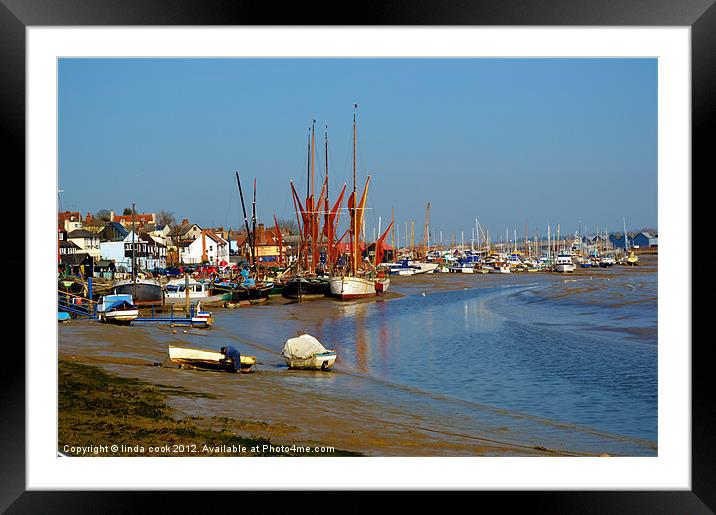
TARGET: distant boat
(144,292)
(564,263)
(423,267)
(210,359)
(117,309)
(606,261)
(632,259)
(175,292)
(462,268)
(246,292)
(306,352)
(303,288)
(500,268)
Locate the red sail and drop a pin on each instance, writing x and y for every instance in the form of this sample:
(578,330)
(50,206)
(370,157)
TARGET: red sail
(379,245)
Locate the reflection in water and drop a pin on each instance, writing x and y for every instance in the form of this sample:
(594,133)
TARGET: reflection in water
(498,346)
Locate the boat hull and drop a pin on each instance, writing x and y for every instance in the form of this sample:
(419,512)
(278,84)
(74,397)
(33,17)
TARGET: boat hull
(323,361)
(244,294)
(207,359)
(124,316)
(564,268)
(303,288)
(354,287)
(147,293)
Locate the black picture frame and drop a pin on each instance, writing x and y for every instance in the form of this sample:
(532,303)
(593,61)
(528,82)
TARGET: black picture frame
(16,15)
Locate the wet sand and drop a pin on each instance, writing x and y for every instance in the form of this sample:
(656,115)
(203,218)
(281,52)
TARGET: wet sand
(293,408)
(260,405)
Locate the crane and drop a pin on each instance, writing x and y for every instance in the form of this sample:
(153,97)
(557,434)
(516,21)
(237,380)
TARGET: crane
(427,225)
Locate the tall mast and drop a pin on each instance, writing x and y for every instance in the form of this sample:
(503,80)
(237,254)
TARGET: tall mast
(308,165)
(327,216)
(253,227)
(134,269)
(313,151)
(246,220)
(354,231)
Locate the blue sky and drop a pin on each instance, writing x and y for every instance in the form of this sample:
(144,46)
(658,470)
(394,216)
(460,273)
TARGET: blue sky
(508,141)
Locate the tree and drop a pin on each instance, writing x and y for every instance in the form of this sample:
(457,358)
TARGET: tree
(103,214)
(166,218)
(127,211)
(288,225)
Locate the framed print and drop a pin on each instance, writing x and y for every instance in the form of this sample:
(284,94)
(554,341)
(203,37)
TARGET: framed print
(195,159)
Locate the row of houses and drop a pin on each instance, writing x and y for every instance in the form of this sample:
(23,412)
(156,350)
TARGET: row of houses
(101,242)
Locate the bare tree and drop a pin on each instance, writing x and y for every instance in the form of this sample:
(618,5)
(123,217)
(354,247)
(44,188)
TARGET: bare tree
(166,218)
(288,225)
(103,214)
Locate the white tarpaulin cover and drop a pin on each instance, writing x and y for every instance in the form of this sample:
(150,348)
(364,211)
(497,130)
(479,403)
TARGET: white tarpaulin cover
(302,347)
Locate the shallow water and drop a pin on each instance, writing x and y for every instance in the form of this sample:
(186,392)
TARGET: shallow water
(565,362)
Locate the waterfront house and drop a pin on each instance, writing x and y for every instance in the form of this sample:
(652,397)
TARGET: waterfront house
(80,263)
(69,220)
(215,247)
(67,247)
(160,233)
(138,219)
(617,240)
(86,240)
(113,231)
(646,239)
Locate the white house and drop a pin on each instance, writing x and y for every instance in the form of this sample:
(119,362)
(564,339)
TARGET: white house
(160,233)
(217,249)
(148,253)
(87,241)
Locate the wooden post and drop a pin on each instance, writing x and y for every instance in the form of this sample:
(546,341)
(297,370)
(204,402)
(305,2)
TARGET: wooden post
(186,292)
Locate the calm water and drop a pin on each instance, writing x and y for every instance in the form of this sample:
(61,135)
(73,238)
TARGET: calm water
(578,349)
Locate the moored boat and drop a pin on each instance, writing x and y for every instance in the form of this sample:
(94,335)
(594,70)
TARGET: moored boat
(304,288)
(352,287)
(117,309)
(564,263)
(144,292)
(462,268)
(500,268)
(358,281)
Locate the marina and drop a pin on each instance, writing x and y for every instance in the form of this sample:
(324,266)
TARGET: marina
(428,273)
(540,351)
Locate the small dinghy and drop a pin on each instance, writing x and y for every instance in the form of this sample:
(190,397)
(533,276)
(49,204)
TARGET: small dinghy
(207,359)
(306,352)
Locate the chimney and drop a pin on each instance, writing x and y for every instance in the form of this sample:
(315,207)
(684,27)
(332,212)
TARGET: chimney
(259,235)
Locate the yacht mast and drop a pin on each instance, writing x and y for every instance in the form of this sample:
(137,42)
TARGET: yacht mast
(354,229)
(134,269)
